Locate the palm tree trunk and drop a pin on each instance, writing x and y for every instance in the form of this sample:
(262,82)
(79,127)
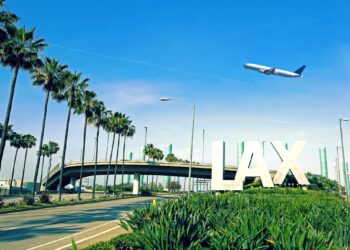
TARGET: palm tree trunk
(152,185)
(116,165)
(41,175)
(82,160)
(156,182)
(40,143)
(123,166)
(8,113)
(48,173)
(96,157)
(24,168)
(13,171)
(64,152)
(109,164)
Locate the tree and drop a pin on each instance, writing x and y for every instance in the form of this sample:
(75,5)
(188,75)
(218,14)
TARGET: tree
(44,152)
(19,51)
(121,123)
(111,127)
(72,92)
(129,131)
(98,119)
(159,154)
(17,142)
(171,158)
(50,77)
(6,19)
(85,107)
(53,148)
(29,141)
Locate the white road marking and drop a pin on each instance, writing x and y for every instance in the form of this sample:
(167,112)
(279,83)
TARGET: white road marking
(70,236)
(88,238)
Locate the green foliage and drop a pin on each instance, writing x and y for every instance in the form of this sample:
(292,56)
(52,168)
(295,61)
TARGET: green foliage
(101,246)
(74,246)
(28,199)
(124,242)
(171,158)
(44,198)
(318,182)
(278,218)
(153,152)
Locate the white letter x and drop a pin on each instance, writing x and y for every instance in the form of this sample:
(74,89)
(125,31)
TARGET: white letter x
(289,162)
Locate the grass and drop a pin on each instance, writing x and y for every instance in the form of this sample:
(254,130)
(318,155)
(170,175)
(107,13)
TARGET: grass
(278,218)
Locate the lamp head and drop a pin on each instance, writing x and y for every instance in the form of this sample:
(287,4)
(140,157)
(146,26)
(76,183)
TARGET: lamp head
(344,119)
(164,99)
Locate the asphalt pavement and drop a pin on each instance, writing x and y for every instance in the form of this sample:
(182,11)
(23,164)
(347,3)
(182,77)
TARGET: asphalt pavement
(53,228)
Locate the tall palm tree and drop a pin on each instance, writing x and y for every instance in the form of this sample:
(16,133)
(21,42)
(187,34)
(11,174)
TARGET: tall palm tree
(19,51)
(72,92)
(121,122)
(52,149)
(50,77)
(105,127)
(129,131)
(6,19)
(29,141)
(17,142)
(98,119)
(111,127)
(85,107)
(44,152)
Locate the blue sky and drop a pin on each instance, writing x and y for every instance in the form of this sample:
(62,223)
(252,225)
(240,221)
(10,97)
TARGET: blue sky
(137,51)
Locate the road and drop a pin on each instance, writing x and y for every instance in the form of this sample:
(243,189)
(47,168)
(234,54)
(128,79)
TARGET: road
(53,228)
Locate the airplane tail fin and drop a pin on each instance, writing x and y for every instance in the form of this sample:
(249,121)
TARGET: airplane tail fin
(300,70)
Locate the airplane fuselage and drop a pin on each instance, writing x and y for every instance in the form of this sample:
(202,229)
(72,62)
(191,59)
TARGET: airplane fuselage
(271,71)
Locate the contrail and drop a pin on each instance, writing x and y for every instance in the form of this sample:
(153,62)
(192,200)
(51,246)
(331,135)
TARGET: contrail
(162,67)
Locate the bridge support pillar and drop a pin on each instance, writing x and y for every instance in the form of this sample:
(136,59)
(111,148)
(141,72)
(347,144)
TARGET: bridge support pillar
(136,188)
(72,181)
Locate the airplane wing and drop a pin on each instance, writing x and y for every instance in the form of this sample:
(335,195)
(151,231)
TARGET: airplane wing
(267,71)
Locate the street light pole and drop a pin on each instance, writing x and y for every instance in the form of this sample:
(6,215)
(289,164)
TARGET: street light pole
(343,153)
(193,107)
(338,165)
(203,147)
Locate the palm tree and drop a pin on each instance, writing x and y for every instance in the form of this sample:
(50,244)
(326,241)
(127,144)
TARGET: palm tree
(50,77)
(98,119)
(29,141)
(121,122)
(17,142)
(111,127)
(6,19)
(44,152)
(52,149)
(86,107)
(19,51)
(129,131)
(72,92)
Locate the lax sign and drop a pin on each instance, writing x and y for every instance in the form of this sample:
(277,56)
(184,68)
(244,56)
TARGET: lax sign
(253,149)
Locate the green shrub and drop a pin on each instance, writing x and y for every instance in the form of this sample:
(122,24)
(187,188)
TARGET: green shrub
(124,242)
(101,246)
(256,218)
(28,199)
(146,192)
(44,198)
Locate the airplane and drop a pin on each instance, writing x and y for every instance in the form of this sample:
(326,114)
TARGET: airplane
(274,71)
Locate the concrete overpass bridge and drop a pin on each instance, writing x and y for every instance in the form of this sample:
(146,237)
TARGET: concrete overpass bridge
(71,172)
